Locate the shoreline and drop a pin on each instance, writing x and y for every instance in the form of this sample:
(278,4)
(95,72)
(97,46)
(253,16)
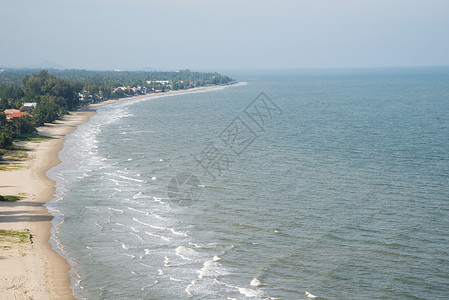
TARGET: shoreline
(36,270)
(152,95)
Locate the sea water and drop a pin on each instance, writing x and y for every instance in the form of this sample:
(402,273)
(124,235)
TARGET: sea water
(331,182)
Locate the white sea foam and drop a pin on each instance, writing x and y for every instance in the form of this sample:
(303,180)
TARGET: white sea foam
(310,295)
(137,210)
(178,232)
(211,268)
(156,215)
(145,265)
(136,235)
(159,236)
(189,288)
(140,222)
(130,178)
(125,254)
(167,261)
(255,282)
(183,252)
(195,245)
(116,209)
(250,293)
(125,247)
(138,195)
(175,279)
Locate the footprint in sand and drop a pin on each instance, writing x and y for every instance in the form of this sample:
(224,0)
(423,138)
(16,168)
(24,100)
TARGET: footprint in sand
(11,286)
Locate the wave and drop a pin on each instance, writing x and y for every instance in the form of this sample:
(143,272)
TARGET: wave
(211,268)
(136,235)
(132,179)
(175,232)
(250,293)
(184,252)
(255,282)
(116,209)
(167,239)
(140,222)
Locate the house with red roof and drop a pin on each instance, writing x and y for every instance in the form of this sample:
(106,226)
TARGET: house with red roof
(17,115)
(10,111)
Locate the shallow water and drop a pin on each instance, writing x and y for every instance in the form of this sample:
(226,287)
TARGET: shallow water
(339,187)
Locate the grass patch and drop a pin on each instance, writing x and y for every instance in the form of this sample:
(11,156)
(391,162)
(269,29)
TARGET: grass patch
(14,236)
(34,138)
(11,157)
(10,167)
(19,155)
(11,198)
(14,154)
(15,147)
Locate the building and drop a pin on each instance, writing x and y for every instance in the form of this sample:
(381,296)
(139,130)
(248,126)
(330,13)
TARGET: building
(30,104)
(17,115)
(11,111)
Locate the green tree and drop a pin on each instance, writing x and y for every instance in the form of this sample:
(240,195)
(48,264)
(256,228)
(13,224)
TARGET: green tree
(2,119)
(47,111)
(44,84)
(5,137)
(23,125)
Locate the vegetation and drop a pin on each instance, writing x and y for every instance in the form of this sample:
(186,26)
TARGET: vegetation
(11,198)
(11,157)
(14,236)
(33,138)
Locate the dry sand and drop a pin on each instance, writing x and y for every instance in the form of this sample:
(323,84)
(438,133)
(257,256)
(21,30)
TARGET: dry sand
(34,270)
(150,95)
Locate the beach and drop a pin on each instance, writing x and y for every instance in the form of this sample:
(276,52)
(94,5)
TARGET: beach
(33,270)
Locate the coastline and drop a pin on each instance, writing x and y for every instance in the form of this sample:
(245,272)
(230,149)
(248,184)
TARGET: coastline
(35,270)
(111,101)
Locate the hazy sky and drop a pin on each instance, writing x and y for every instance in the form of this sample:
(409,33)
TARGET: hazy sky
(218,34)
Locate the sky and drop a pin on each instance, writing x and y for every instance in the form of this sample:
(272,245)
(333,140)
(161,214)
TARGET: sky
(218,34)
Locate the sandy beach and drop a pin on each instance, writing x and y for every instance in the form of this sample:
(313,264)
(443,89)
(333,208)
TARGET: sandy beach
(149,96)
(33,270)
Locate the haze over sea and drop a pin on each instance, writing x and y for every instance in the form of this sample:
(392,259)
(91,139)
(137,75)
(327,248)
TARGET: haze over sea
(341,189)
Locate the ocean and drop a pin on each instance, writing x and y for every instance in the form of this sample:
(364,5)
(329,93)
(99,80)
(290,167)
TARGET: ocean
(290,183)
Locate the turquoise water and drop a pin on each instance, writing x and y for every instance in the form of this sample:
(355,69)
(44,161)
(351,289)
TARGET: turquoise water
(339,187)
